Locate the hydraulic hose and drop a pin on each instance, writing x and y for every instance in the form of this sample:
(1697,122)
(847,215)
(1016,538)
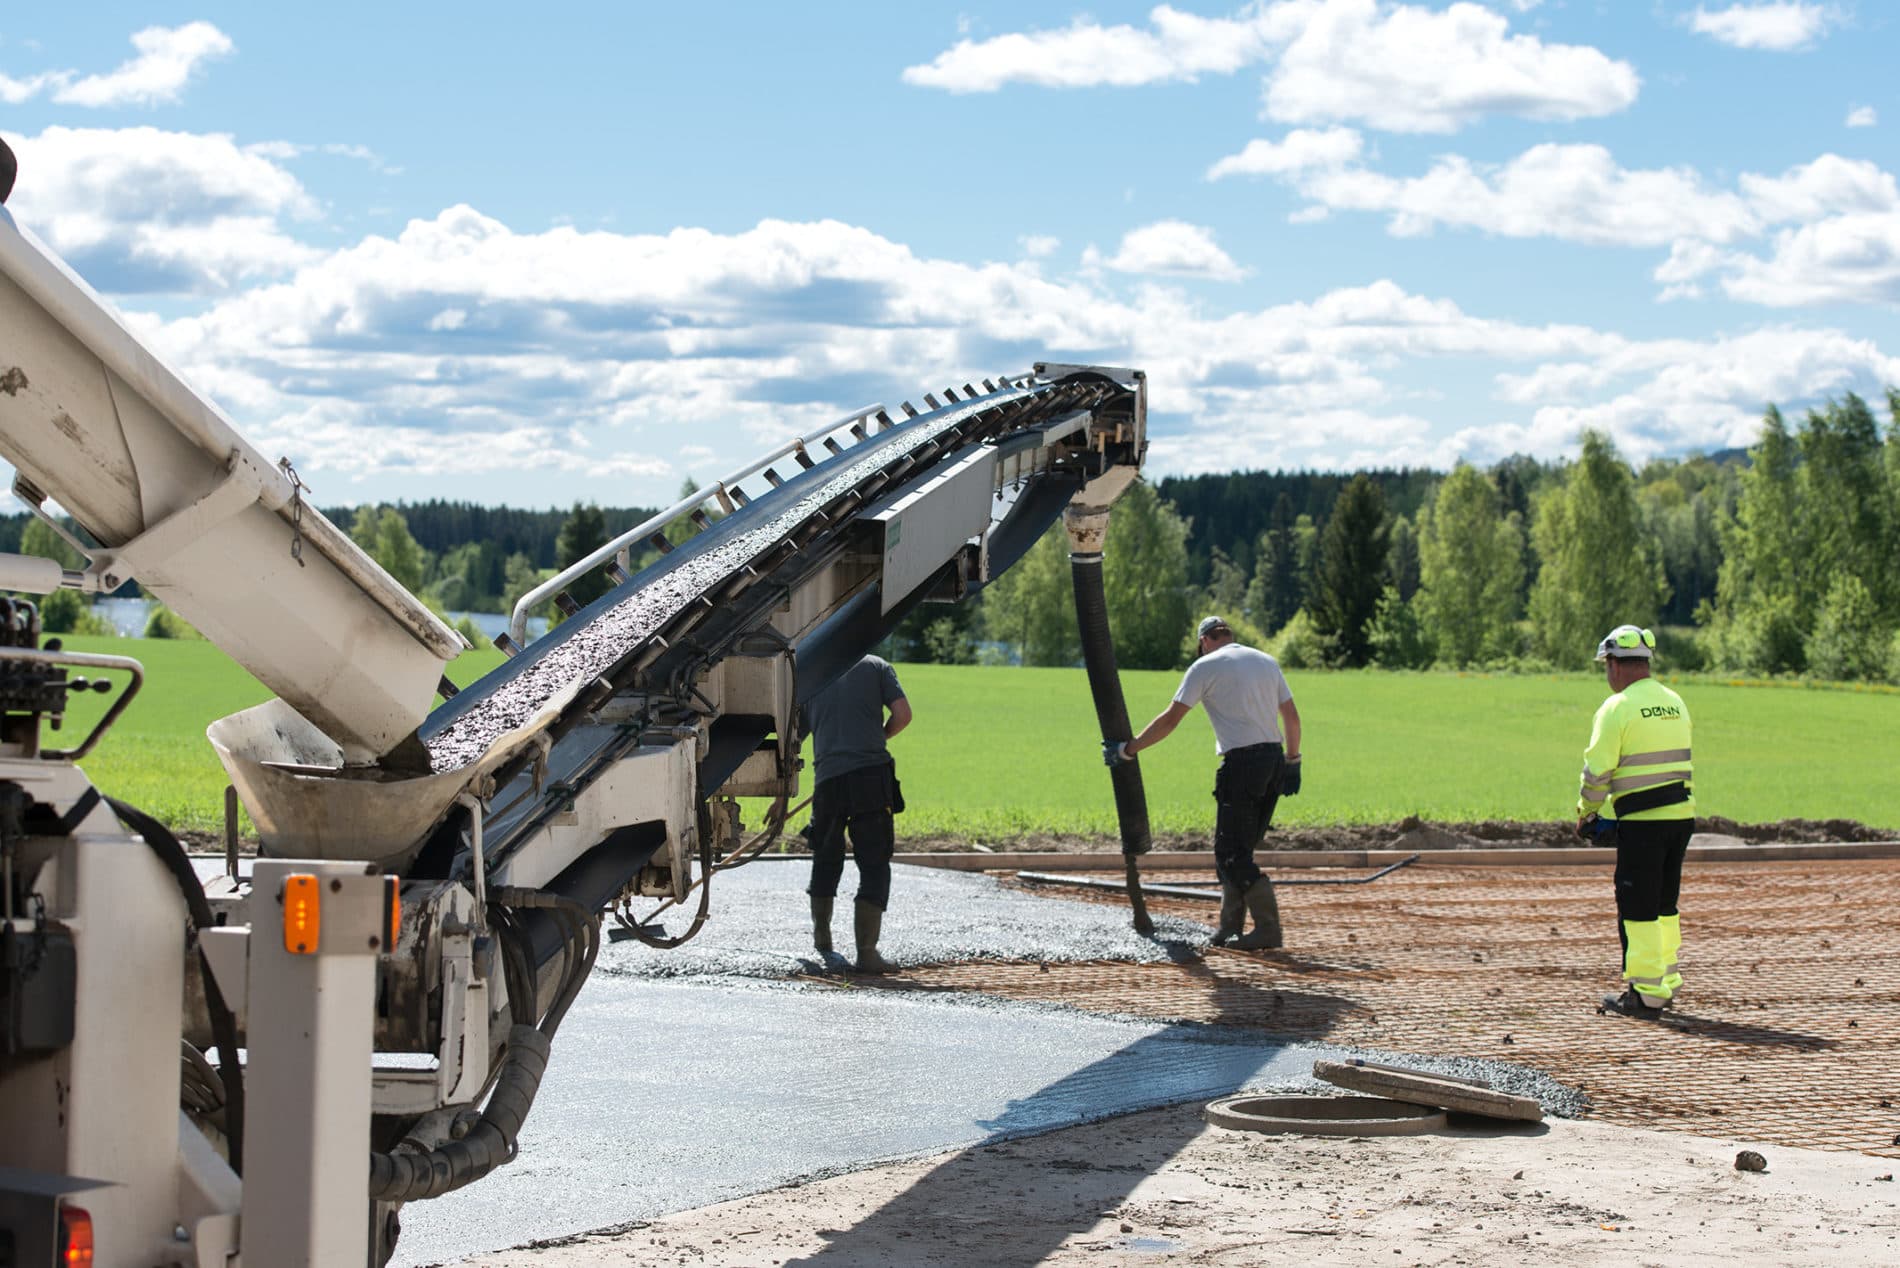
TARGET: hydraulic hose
(410,1177)
(1111,713)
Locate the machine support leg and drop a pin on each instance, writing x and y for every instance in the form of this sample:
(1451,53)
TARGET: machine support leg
(312,1013)
(1088,527)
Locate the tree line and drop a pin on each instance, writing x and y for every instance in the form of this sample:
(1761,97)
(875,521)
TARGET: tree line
(1781,559)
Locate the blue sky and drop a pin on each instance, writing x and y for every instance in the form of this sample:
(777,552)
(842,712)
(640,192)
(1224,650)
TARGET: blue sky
(537,255)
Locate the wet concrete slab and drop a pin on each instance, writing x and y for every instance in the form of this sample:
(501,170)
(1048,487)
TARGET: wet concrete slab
(733,1064)
(760,927)
(663,1096)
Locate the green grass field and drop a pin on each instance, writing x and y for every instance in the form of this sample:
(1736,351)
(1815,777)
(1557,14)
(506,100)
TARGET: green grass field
(1000,753)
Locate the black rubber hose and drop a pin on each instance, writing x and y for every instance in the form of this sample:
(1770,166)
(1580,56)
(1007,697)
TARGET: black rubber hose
(223,1023)
(410,1177)
(1111,712)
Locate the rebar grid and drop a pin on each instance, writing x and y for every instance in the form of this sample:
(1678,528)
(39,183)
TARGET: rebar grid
(1787,1031)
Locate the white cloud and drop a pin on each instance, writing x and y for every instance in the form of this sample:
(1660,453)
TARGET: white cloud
(1829,223)
(1397,67)
(1296,152)
(1778,27)
(510,363)
(1174,248)
(1842,259)
(1573,192)
(1402,68)
(167,59)
(145,210)
(1038,246)
(1862,117)
(1175,46)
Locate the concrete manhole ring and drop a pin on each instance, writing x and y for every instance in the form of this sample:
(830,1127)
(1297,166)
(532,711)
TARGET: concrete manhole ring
(1460,1096)
(1323,1115)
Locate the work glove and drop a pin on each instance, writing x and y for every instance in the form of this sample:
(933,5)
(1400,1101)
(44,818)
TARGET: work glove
(1114,753)
(1587,827)
(1290,778)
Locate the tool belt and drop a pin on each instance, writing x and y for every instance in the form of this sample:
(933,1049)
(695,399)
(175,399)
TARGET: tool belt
(1652,798)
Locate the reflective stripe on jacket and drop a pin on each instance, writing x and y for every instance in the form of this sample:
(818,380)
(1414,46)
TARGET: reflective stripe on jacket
(1638,742)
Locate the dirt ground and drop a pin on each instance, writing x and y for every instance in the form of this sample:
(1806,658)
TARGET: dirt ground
(1163,1187)
(1406,833)
(1414,833)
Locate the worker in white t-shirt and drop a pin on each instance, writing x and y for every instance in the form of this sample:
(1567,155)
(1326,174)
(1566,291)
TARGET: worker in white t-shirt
(1257,734)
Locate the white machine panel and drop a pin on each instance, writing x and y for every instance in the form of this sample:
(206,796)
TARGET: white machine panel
(924,528)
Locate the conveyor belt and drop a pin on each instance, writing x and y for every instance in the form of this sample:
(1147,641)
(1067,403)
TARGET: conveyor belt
(646,614)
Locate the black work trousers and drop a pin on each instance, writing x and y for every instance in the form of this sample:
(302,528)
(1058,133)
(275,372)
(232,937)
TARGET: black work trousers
(1649,867)
(1246,789)
(859,804)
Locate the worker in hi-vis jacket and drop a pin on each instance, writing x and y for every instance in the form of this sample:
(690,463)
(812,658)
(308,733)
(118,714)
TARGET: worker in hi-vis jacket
(1638,792)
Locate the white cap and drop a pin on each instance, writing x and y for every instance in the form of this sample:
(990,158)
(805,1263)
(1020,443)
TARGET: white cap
(1627,641)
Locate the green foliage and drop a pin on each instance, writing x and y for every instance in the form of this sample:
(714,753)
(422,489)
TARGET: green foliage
(1352,556)
(1471,566)
(1402,563)
(947,641)
(1144,579)
(1032,606)
(584,533)
(1850,640)
(519,577)
(68,612)
(384,536)
(1597,568)
(1300,645)
(1277,589)
(38,538)
(1226,591)
(1398,637)
(162,622)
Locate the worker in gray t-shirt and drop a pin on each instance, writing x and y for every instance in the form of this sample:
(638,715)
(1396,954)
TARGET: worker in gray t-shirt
(1257,734)
(855,793)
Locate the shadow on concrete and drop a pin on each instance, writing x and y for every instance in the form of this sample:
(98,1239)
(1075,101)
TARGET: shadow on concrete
(1071,1195)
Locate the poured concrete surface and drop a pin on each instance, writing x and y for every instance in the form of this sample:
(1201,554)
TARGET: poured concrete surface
(761,927)
(665,1096)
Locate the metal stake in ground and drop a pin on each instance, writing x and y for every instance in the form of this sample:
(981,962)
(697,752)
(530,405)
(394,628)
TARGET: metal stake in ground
(1088,528)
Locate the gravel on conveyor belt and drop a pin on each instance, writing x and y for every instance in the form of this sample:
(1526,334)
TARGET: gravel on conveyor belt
(585,654)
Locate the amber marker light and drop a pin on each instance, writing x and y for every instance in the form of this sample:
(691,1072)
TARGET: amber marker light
(75,1238)
(392,891)
(303,914)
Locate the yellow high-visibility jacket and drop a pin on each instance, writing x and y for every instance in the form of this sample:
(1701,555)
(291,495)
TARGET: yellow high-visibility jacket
(1639,746)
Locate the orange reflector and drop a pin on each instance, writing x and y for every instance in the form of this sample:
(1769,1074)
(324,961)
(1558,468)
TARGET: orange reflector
(303,914)
(75,1238)
(394,890)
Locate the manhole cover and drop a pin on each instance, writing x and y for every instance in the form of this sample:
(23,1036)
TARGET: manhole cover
(1456,1095)
(1323,1115)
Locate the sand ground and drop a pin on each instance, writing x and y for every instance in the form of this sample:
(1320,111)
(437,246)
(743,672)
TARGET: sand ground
(1164,1187)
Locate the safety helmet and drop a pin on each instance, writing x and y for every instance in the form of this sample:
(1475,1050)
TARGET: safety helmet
(1627,640)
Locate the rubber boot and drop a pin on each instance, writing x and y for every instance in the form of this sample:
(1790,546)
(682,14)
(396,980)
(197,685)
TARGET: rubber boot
(821,923)
(1233,914)
(870,922)
(1265,935)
